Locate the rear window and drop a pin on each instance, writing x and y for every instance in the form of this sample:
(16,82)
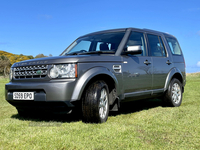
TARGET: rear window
(174,46)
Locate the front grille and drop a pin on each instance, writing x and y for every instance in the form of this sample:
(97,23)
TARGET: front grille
(36,71)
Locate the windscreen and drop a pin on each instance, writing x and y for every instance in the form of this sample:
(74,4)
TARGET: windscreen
(94,43)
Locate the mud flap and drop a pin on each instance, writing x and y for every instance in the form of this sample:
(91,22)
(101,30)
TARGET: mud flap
(116,105)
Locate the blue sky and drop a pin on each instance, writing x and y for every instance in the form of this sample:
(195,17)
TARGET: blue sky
(49,26)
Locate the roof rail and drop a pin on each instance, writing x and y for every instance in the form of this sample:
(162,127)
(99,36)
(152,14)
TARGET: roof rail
(166,33)
(151,30)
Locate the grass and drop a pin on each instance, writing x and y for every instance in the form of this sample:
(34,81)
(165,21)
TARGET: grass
(140,125)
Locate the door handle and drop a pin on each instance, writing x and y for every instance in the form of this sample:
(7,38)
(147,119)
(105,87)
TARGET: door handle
(147,62)
(168,62)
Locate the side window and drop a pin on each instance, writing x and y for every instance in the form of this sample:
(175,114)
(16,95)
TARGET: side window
(162,47)
(174,46)
(137,39)
(156,45)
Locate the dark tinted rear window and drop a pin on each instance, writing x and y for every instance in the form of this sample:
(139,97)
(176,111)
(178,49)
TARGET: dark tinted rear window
(174,46)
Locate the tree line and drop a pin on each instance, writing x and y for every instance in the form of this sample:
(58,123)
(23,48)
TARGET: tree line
(8,59)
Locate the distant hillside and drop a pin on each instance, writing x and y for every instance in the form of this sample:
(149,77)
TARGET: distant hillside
(5,53)
(8,59)
(14,57)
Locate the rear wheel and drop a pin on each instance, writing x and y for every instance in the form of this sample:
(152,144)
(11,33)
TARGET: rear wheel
(95,103)
(173,96)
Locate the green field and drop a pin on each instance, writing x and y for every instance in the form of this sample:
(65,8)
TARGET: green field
(140,125)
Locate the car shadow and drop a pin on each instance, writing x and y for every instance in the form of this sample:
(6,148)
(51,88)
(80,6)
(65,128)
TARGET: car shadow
(125,108)
(50,117)
(136,106)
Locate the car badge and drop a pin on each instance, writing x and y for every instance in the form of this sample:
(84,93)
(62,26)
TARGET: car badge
(39,72)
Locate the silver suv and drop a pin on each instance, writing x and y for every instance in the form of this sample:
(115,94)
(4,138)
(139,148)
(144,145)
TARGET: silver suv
(98,71)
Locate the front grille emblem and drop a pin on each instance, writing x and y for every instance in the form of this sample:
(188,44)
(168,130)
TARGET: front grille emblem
(39,72)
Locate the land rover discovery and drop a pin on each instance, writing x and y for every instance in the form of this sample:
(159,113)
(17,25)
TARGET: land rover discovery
(98,71)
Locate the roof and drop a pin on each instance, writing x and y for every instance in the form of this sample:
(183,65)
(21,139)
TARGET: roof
(124,29)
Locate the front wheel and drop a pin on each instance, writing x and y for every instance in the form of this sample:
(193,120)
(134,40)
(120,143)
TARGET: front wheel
(95,103)
(173,96)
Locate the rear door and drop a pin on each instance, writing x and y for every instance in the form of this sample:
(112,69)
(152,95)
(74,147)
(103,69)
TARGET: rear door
(161,61)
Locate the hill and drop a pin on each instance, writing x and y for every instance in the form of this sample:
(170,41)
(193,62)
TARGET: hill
(8,59)
(14,57)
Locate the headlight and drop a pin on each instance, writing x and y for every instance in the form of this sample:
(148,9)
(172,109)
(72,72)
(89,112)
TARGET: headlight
(11,74)
(64,71)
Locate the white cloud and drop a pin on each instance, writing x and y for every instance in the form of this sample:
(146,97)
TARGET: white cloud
(198,64)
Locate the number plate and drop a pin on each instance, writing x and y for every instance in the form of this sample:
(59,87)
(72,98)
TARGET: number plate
(23,95)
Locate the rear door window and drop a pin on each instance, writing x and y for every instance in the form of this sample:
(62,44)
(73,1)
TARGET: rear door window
(156,45)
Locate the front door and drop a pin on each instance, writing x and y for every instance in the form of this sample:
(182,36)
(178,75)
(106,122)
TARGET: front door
(137,73)
(137,69)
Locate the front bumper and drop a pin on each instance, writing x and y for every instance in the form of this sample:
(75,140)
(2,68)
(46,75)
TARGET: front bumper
(49,95)
(39,106)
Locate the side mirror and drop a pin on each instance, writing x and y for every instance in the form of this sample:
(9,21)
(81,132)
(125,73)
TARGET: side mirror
(133,50)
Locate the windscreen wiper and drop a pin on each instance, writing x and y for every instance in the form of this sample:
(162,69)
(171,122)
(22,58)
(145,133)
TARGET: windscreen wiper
(91,52)
(98,52)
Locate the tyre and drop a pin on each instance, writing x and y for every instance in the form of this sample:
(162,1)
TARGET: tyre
(95,103)
(173,96)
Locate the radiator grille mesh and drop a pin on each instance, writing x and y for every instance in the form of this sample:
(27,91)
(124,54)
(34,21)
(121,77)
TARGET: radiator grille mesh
(36,71)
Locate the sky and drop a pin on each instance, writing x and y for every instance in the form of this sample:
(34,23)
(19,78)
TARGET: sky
(33,27)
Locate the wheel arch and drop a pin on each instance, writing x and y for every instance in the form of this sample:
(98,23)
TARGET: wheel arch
(173,73)
(97,73)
